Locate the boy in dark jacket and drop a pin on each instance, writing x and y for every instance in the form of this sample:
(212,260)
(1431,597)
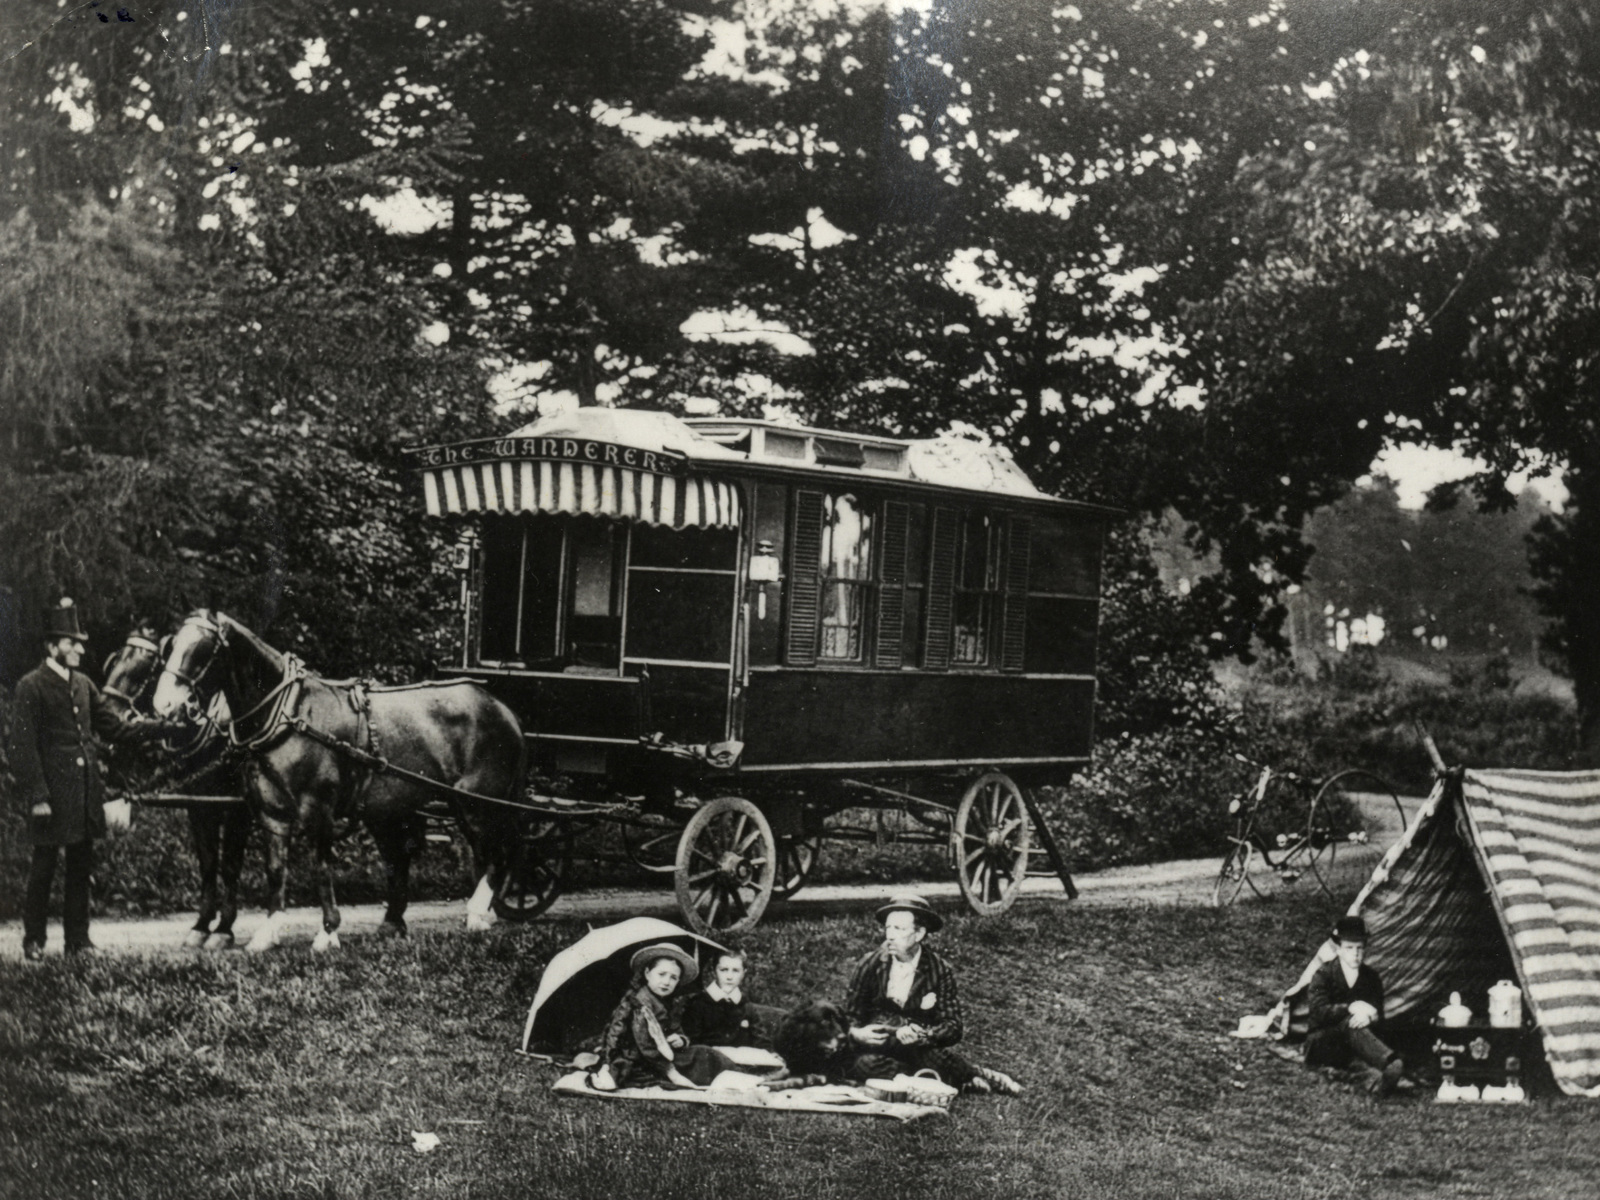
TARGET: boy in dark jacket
(1346,999)
(720,1014)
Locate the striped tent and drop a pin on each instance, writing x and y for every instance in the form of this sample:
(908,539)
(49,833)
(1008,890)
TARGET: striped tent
(1497,877)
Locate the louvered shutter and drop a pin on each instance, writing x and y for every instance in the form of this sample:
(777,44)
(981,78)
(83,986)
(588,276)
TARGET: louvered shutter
(804,591)
(1014,620)
(941,588)
(892,585)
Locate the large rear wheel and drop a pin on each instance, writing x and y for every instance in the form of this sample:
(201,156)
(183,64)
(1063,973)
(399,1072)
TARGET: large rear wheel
(727,867)
(1347,811)
(989,843)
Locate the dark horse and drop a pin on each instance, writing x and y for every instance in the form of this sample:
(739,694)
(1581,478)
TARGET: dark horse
(320,755)
(196,766)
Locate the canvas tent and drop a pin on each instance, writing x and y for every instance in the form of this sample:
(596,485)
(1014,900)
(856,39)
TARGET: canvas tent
(1497,877)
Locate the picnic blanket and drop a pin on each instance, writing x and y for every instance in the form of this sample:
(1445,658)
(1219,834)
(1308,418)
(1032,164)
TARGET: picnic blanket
(733,1089)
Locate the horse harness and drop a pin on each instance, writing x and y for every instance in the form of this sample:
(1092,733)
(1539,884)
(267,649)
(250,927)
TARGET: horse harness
(282,716)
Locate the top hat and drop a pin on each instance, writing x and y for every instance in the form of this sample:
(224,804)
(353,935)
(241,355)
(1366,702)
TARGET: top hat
(1350,929)
(62,622)
(917,906)
(649,954)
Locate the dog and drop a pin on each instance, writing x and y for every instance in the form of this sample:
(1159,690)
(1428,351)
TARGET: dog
(812,1041)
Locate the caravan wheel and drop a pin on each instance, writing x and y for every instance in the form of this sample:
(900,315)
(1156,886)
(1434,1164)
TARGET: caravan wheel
(989,843)
(727,866)
(535,873)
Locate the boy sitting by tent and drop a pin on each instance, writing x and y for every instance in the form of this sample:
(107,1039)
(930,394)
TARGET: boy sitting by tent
(1346,1001)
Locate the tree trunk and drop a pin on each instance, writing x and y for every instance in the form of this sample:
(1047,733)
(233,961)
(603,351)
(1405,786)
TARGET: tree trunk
(1565,557)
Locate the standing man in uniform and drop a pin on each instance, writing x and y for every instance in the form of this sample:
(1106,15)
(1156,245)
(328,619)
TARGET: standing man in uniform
(59,710)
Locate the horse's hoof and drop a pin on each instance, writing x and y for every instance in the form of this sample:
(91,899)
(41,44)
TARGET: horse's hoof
(392,929)
(479,922)
(195,938)
(324,942)
(220,941)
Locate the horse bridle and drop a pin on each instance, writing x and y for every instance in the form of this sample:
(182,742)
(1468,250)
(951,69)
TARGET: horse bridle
(210,626)
(138,642)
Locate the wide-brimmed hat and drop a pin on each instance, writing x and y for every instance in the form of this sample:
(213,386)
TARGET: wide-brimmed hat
(916,905)
(649,954)
(62,621)
(1350,929)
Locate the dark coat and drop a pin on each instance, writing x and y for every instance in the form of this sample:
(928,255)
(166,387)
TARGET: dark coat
(54,756)
(713,1022)
(1328,1036)
(934,1001)
(630,1047)
(1329,996)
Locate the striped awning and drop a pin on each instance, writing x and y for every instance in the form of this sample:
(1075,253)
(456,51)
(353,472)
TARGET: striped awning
(513,486)
(1494,879)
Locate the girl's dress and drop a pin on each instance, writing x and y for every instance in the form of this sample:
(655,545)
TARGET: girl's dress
(636,1046)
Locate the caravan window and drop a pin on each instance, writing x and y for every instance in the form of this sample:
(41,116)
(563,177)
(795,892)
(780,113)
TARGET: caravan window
(977,588)
(551,593)
(846,569)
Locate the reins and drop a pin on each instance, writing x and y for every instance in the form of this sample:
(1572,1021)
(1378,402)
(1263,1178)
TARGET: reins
(282,700)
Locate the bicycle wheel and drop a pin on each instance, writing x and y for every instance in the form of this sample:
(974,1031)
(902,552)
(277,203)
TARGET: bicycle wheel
(1348,810)
(1231,879)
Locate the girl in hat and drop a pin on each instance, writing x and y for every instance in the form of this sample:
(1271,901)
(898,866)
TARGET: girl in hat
(643,1044)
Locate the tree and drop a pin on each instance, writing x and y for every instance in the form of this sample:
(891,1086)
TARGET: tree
(224,431)
(1423,261)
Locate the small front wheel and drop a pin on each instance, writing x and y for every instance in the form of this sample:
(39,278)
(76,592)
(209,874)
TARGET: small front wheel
(1231,879)
(534,874)
(727,867)
(797,857)
(652,844)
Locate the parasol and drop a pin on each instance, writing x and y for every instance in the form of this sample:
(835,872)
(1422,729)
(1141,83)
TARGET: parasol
(582,984)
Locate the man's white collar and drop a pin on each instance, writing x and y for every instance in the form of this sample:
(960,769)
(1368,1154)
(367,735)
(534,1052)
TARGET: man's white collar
(58,669)
(714,990)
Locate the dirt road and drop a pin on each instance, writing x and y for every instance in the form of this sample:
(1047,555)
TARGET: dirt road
(1188,881)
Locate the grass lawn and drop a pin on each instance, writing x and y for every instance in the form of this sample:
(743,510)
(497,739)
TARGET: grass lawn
(299,1076)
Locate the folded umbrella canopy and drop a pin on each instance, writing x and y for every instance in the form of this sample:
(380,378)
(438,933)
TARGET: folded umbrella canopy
(582,984)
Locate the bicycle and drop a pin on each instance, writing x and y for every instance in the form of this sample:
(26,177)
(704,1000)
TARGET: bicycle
(1335,818)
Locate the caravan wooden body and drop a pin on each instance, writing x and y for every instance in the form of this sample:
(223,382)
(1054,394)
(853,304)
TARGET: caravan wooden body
(696,606)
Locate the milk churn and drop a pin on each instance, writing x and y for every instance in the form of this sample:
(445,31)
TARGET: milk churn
(1505,1005)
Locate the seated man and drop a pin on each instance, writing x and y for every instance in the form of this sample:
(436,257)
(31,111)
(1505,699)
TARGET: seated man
(1346,999)
(903,1006)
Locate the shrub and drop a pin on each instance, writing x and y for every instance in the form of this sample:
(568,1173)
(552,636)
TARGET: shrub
(1149,797)
(1359,717)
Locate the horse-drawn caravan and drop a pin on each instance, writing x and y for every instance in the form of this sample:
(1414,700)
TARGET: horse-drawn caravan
(723,635)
